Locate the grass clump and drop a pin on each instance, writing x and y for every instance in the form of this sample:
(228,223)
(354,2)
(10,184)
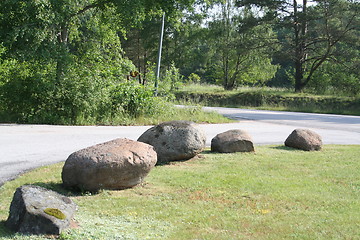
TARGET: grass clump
(275,193)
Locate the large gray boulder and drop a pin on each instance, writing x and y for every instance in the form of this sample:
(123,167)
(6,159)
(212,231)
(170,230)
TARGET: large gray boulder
(115,165)
(232,141)
(304,139)
(36,210)
(175,140)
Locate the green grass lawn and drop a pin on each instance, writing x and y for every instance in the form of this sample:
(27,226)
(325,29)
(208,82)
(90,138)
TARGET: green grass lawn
(275,193)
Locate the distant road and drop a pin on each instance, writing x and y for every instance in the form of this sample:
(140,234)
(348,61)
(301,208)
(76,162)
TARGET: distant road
(24,147)
(308,120)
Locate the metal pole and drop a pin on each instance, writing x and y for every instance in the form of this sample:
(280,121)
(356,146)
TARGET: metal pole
(159,56)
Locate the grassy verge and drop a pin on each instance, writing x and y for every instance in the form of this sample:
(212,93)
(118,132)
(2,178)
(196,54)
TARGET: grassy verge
(276,193)
(270,99)
(165,112)
(194,114)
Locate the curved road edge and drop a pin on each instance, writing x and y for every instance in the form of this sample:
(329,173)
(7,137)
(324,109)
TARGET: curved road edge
(25,147)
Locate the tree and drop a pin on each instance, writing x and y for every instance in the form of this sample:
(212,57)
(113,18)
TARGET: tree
(241,47)
(140,44)
(341,74)
(317,29)
(44,28)
(68,54)
(188,44)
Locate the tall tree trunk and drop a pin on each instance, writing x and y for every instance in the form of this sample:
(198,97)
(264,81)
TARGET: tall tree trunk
(226,72)
(145,66)
(226,41)
(300,30)
(138,53)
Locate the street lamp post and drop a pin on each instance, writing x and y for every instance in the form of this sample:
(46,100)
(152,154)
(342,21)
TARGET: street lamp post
(159,56)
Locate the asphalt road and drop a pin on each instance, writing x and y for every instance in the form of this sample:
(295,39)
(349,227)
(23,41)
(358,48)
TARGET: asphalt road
(24,147)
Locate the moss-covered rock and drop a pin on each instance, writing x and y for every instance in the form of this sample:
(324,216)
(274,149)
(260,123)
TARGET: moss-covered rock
(55,212)
(36,210)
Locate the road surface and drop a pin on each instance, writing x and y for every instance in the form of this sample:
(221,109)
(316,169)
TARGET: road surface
(24,147)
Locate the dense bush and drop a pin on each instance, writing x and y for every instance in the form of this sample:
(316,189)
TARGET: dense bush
(24,90)
(91,90)
(333,79)
(170,80)
(194,78)
(87,93)
(133,100)
(29,92)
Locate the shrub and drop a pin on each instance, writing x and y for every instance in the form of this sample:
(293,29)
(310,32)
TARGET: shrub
(31,93)
(169,81)
(24,90)
(194,78)
(133,99)
(335,80)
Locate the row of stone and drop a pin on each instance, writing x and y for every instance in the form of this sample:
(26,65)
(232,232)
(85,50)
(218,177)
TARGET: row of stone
(240,141)
(123,163)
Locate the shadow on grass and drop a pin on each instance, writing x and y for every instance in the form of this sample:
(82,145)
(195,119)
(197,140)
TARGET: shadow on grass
(201,155)
(4,232)
(285,148)
(59,188)
(207,152)
(56,187)
(159,164)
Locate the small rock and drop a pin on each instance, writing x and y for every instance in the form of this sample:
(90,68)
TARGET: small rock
(36,210)
(115,165)
(304,139)
(232,141)
(175,140)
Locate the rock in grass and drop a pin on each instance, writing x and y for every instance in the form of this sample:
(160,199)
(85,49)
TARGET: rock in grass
(175,140)
(304,139)
(232,141)
(36,210)
(114,165)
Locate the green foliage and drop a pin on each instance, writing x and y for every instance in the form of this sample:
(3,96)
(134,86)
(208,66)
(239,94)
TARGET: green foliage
(29,94)
(332,79)
(269,98)
(24,90)
(311,34)
(63,59)
(170,80)
(134,99)
(242,52)
(258,73)
(60,61)
(194,78)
